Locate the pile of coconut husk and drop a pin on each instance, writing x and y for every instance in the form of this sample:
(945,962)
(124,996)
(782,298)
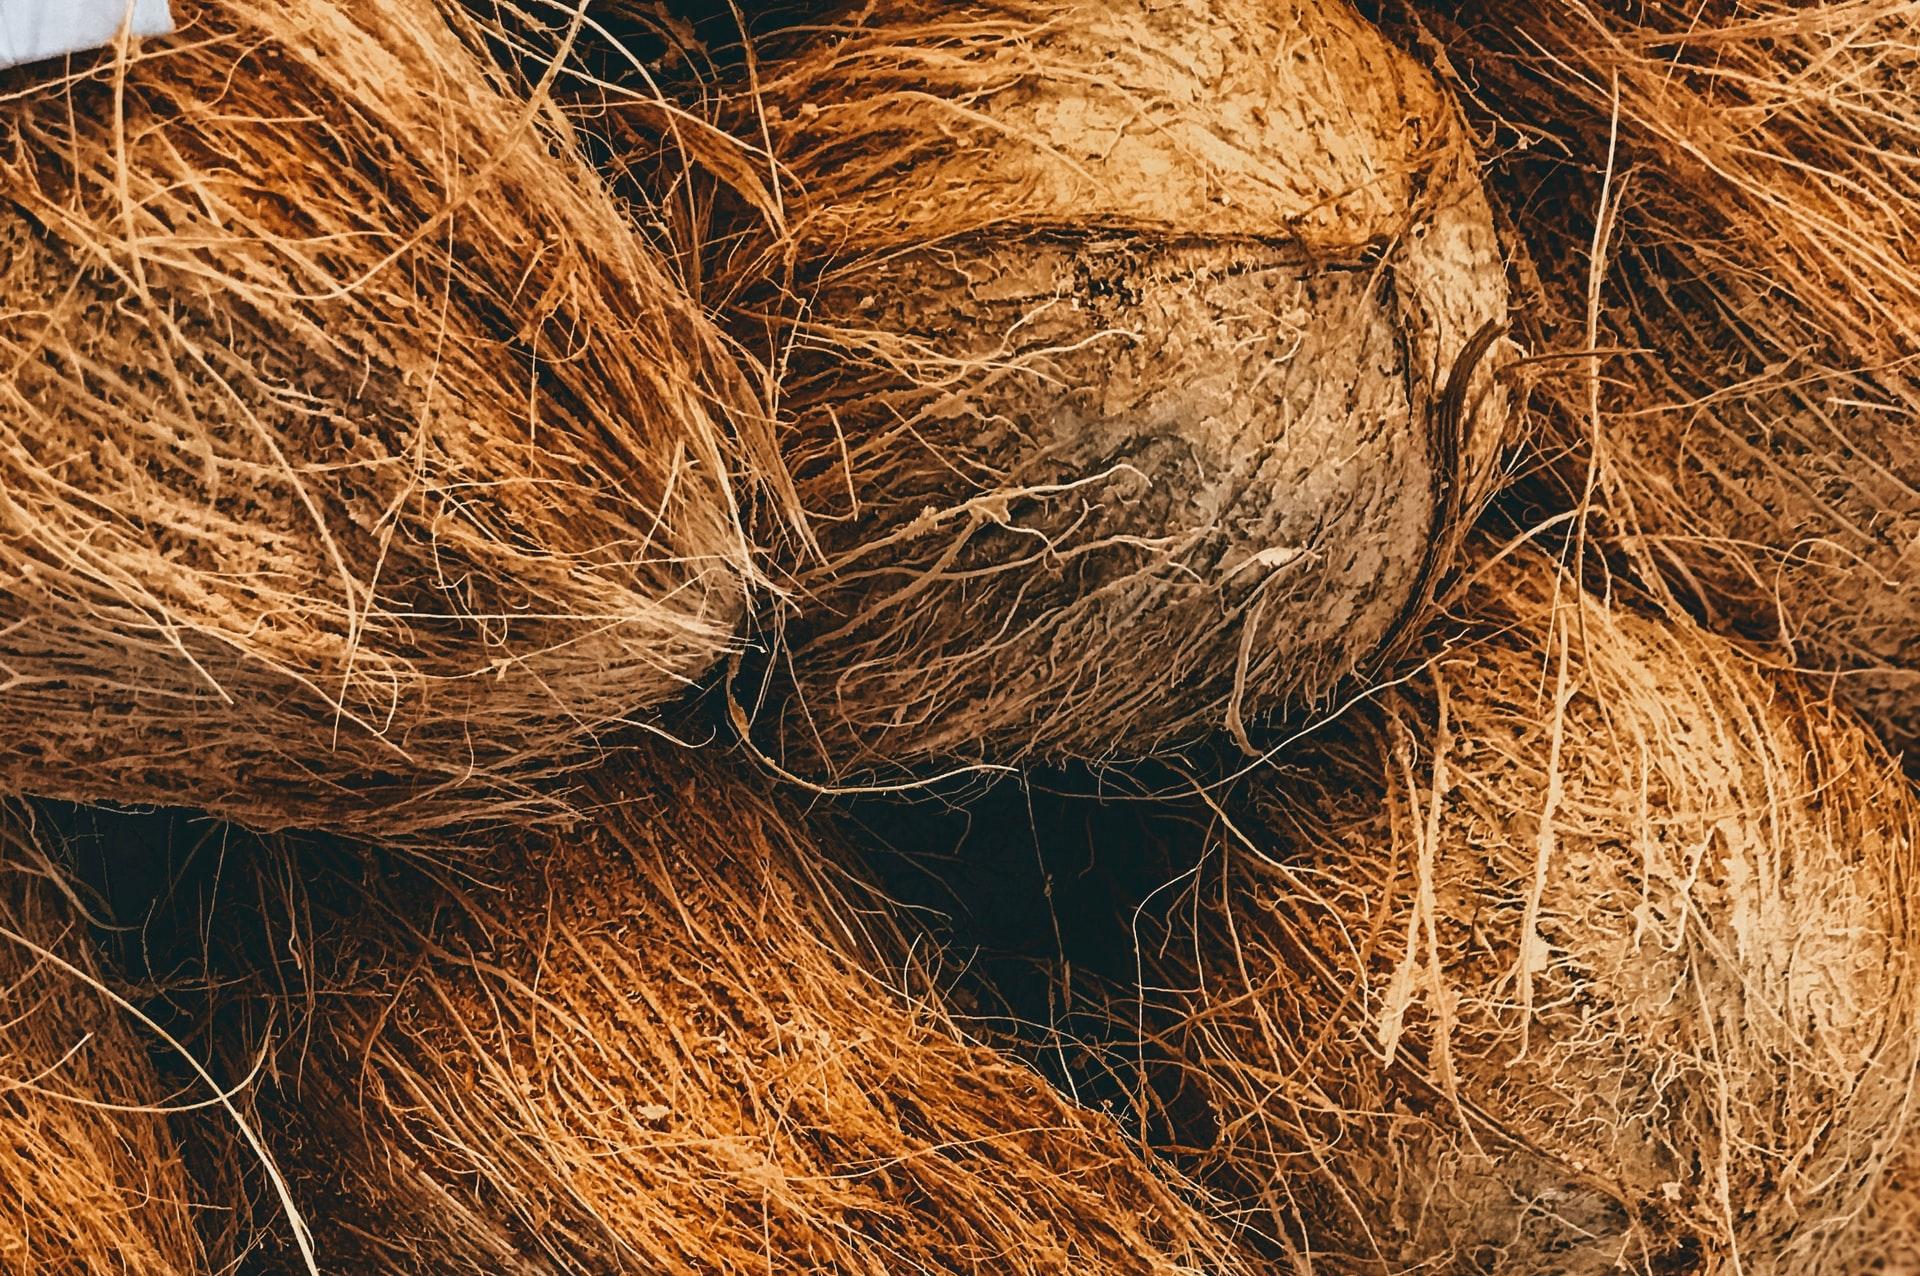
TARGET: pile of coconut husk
(93,1181)
(411,405)
(691,1037)
(1716,199)
(1592,947)
(360,460)
(1130,397)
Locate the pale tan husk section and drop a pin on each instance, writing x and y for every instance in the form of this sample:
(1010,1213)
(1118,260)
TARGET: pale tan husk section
(358,461)
(1114,360)
(92,1180)
(1890,1231)
(1596,950)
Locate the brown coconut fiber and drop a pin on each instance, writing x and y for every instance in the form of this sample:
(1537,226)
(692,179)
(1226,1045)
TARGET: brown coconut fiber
(1127,365)
(1890,1233)
(687,1040)
(358,461)
(1593,950)
(90,1180)
(1719,199)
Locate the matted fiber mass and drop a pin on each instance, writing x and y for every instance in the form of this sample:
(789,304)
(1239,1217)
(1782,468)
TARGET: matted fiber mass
(92,1181)
(358,461)
(682,1042)
(1752,421)
(1594,949)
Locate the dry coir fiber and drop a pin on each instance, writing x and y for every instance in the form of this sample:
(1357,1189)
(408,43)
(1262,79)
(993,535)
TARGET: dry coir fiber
(1718,198)
(1126,357)
(681,1041)
(90,1180)
(1593,950)
(1890,1232)
(358,462)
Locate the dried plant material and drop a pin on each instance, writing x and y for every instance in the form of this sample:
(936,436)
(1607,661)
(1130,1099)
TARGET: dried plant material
(1888,1238)
(358,461)
(1594,951)
(677,1042)
(90,1180)
(1128,368)
(1753,427)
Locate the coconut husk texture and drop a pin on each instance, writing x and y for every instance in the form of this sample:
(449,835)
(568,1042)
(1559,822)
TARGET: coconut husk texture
(1892,1229)
(688,1040)
(1592,950)
(1127,357)
(358,460)
(1717,198)
(90,1178)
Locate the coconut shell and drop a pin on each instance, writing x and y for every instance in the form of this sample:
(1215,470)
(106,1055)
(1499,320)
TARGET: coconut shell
(1753,419)
(1594,950)
(358,461)
(1116,364)
(94,1181)
(689,1039)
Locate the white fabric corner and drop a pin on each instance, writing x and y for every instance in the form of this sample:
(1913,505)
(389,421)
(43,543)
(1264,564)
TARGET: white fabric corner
(34,29)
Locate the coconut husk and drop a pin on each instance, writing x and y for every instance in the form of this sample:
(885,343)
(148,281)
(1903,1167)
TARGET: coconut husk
(1593,949)
(1890,1234)
(1750,423)
(359,462)
(686,1039)
(1128,357)
(93,1180)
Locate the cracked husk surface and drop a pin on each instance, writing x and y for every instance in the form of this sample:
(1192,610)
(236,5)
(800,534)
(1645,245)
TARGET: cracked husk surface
(1116,406)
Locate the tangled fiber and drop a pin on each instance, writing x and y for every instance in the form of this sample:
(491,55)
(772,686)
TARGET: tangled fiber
(92,1180)
(358,460)
(1718,198)
(1891,1245)
(1127,357)
(682,1041)
(1593,950)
